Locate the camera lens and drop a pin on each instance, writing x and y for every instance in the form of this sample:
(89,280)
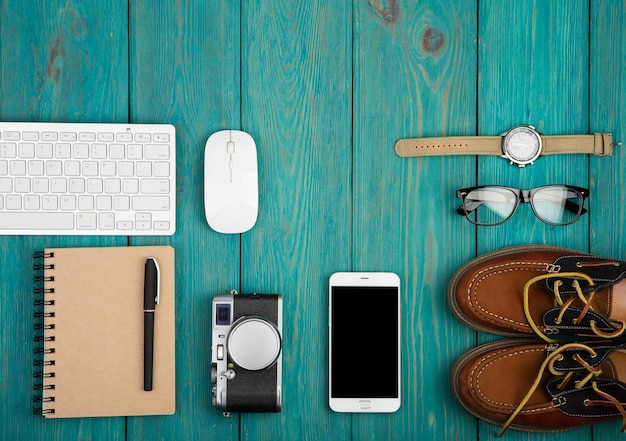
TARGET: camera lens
(222,315)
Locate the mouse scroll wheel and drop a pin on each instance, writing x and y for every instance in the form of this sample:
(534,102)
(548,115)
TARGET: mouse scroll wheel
(230,147)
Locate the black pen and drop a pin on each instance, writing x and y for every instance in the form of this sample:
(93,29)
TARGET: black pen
(151,288)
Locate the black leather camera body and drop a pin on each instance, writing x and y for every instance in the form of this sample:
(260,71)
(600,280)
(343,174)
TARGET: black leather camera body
(246,369)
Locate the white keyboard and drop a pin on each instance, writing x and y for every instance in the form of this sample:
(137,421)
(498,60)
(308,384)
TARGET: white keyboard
(87,179)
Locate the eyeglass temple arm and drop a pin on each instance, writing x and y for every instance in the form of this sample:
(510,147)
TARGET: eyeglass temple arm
(470,207)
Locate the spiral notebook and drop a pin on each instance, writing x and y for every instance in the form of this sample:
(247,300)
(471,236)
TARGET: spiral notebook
(89,332)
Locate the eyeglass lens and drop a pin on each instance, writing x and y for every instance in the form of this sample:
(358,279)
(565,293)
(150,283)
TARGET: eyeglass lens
(490,205)
(558,205)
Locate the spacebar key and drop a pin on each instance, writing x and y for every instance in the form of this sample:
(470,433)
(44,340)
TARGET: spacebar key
(36,221)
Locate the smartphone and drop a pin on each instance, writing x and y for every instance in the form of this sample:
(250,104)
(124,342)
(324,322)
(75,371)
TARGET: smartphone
(364,343)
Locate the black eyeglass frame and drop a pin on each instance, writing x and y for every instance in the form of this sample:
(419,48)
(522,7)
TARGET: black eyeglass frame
(524,196)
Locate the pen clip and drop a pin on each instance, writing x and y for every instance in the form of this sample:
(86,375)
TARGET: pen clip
(158,281)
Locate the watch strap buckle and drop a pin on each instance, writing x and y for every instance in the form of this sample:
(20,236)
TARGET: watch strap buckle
(603,144)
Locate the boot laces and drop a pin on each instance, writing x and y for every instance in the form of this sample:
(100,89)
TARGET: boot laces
(566,304)
(606,399)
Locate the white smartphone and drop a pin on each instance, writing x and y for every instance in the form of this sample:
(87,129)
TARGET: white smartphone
(364,343)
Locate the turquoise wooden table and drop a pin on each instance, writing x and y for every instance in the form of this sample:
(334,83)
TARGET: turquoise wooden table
(325,88)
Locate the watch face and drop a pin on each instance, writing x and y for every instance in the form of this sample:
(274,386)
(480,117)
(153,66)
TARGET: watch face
(522,145)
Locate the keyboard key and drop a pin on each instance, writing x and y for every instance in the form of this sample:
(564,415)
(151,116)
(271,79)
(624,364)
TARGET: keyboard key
(58,185)
(106,137)
(117,151)
(130,186)
(68,202)
(11,136)
(50,202)
(54,168)
(143,137)
(35,168)
(36,221)
(26,150)
(94,185)
(90,168)
(13,202)
(81,151)
(17,168)
(86,221)
(134,151)
(49,136)
(104,203)
(124,225)
(71,168)
(85,203)
(155,186)
(161,169)
(63,150)
(106,221)
(157,151)
(8,150)
(68,137)
(151,203)
(30,136)
(161,225)
(161,137)
(6,185)
(77,185)
(41,185)
(21,185)
(98,151)
(124,137)
(121,203)
(31,202)
(44,150)
(86,137)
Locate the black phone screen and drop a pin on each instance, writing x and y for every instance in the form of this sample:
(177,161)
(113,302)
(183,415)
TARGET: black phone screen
(364,342)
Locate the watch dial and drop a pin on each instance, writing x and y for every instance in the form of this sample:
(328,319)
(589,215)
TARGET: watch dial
(522,144)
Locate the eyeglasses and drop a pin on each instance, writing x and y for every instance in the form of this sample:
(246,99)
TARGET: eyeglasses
(493,205)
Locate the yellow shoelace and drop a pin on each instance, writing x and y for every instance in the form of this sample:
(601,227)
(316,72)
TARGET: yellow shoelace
(558,354)
(592,375)
(558,300)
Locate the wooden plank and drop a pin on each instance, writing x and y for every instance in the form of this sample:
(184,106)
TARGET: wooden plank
(296,96)
(186,71)
(533,70)
(49,70)
(608,113)
(415,75)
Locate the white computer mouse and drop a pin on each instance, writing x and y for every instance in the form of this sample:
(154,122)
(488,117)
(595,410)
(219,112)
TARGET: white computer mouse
(231,184)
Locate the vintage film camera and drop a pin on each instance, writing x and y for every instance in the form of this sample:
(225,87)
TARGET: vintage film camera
(246,369)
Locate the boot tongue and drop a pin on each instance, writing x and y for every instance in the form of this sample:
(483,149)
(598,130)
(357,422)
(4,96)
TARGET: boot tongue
(604,272)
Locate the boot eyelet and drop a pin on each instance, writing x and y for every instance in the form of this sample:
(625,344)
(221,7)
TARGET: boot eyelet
(586,402)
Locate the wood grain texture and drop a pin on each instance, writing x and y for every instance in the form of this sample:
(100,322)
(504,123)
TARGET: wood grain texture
(607,104)
(534,72)
(185,71)
(415,70)
(52,71)
(296,98)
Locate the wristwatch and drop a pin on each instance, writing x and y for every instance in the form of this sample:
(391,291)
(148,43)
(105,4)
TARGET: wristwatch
(521,145)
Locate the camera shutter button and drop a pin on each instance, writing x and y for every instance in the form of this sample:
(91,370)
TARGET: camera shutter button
(253,343)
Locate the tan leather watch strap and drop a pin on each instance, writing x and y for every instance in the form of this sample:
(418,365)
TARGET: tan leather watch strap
(597,144)
(600,144)
(449,145)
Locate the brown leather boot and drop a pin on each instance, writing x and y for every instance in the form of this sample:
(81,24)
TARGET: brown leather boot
(531,386)
(541,290)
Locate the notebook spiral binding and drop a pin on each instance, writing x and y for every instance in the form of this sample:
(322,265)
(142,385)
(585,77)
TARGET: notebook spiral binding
(43,300)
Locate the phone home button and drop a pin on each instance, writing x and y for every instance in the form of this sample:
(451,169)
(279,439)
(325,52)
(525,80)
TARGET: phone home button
(365,404)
